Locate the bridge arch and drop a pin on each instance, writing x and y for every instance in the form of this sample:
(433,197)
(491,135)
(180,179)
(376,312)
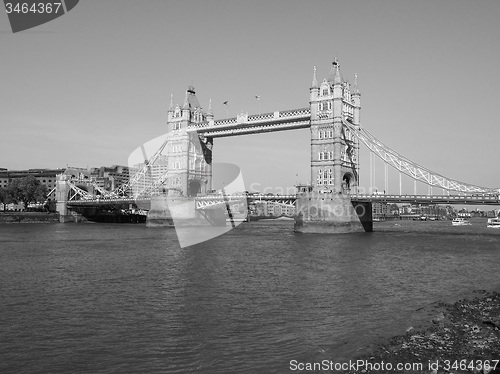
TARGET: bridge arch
(194,187)
(348,181)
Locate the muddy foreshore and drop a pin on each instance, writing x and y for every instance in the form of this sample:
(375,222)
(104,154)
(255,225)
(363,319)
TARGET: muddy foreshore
(28,217)
(463,337)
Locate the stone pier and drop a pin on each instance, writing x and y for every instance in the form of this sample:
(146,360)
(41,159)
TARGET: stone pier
(331,213)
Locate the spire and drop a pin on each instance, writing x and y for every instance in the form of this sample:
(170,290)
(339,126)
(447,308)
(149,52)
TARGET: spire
(331,74)
(315,80)
(210,107)
(186,102)
(336,65)
(356,89)
(171,107)
(334,76)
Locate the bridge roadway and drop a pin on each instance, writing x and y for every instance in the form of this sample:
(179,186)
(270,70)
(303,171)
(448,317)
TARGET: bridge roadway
(203,202)
(144,204)
(431,199)
(481,199)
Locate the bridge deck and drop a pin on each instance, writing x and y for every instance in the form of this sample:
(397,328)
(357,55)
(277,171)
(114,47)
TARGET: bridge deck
(431,199)
(290,199)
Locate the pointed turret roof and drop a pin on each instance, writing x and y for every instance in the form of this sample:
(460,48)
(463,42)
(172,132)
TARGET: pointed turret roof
(355,88)
(210,107)
(171,107)
(186,102)
(190,101)
(338,78)
(315,80)
(334,77)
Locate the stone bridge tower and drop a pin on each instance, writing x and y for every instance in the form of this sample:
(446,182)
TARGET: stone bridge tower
(188,155)
(326,206)
(334,150)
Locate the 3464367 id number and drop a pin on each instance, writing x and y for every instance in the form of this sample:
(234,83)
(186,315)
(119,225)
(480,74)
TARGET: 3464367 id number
(470,365)
(34,8)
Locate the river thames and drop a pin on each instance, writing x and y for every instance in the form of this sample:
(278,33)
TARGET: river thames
(123,298)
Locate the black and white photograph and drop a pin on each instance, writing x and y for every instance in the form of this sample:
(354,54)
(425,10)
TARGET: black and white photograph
(243,187)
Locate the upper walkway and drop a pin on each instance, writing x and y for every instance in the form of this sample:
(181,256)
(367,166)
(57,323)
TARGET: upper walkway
(254,124)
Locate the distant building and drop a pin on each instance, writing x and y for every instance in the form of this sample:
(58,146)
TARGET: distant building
(380,210)
(108,178)
(463,214)
(47,177)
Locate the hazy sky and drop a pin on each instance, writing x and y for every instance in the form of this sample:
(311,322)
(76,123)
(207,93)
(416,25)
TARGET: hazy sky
(89,87)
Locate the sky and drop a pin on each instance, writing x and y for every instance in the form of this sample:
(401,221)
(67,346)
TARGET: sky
(88,88)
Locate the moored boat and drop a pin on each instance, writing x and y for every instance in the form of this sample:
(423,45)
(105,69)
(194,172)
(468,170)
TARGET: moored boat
(494,223)
(459,221)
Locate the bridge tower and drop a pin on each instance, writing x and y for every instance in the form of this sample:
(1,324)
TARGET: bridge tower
(334,150)
(188,155)
(326,205)
(188,160)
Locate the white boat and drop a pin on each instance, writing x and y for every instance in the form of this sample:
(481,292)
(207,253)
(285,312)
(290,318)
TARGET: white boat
(494,223)
(460,222)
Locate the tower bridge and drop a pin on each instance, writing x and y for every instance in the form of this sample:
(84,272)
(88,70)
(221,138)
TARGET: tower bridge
(181,168)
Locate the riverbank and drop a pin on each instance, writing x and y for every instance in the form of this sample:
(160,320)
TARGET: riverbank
(28,217)
(461,338)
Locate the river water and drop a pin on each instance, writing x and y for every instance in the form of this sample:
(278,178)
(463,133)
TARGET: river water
(123,298)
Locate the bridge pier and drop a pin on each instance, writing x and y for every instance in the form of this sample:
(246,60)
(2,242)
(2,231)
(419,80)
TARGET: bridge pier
(62,192)
(159,215)
(331,213)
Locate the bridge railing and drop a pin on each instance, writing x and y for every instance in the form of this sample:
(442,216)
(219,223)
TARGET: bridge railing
(412,169)
(478,198)
(254,119)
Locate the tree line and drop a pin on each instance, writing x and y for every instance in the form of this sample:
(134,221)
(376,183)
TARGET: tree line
(24,190)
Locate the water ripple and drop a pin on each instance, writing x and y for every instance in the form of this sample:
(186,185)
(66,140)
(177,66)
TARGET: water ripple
(127,299)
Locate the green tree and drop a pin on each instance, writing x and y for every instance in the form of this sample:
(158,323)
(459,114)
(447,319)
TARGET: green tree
(5,197)
(27,190)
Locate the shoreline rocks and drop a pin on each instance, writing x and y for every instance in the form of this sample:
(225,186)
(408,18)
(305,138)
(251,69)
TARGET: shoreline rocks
(459,339)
